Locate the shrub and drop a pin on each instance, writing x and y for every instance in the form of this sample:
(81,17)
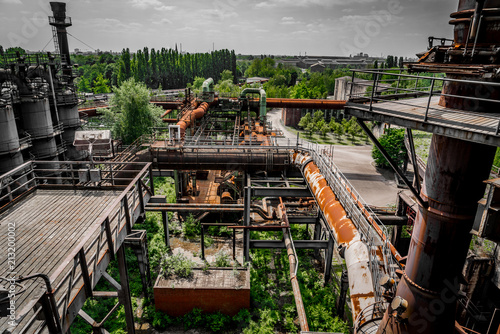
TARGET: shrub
(193,319)
(217,321)
(191,227)
(219,231)
(393,142)
(177,264)
(222,259)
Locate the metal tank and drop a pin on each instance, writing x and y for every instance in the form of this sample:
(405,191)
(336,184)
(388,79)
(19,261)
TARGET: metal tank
(10,155)
(36,117)
(9,139)
(37,121)
(69,117)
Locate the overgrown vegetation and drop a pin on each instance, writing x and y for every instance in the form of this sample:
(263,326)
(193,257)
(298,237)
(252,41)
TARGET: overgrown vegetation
(273,307)
(132,115)
(178,265)
(222,259)
(393,142)
(191,226)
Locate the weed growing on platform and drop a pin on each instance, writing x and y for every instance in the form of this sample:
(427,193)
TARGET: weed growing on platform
(222,259)
(191,227)
(178,265)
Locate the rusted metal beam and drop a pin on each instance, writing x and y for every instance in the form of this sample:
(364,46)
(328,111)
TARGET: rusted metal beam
(299,244)
(391,162)
(305,103)
(281,191)
(124,292)
(414,161)
(294,263)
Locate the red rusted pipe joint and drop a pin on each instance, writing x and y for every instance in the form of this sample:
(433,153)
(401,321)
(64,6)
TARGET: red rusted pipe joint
(191,116)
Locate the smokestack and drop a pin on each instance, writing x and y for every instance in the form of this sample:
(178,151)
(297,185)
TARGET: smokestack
(60,22)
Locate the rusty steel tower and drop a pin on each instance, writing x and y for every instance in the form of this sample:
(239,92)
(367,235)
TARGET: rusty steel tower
(460,159)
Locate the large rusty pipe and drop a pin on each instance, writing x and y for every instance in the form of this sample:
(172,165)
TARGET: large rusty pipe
(304,326)
(191,116)
(345,232)
(236,159)
(306,103)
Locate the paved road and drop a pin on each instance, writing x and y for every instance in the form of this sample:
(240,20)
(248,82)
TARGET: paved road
(355,162)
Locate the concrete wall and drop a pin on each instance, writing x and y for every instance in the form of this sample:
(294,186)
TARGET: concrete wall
(291,116)
(343,88)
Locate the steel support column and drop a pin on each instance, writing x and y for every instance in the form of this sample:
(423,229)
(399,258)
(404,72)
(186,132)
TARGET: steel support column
(391,162)
(328,260)
(441,237)
(138,242)
(246,222)
(317,236)
(341,299)
(124,292)
(164,219)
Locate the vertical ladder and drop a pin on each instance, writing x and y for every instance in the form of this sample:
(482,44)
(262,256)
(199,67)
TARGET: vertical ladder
(56,39)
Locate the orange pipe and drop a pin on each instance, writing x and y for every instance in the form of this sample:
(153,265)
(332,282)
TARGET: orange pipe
(345,232)
(191,116)
(305,103)
(166,113)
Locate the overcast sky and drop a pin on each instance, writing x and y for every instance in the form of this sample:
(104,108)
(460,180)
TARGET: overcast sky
(290,27)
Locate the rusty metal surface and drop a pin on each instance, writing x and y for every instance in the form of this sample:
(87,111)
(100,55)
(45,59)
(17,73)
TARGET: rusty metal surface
(462,89)
(305,103)
(440,239)
(191,116)
(345,232)
(292,259)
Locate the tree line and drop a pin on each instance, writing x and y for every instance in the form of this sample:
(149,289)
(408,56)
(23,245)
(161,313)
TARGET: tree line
(316,123)
(165,68)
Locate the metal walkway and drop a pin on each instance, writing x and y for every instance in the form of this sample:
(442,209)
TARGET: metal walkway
(67,232)
(394,105)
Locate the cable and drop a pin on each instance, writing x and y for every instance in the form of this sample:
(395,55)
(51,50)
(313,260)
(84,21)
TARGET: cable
(82,41)
(50,40)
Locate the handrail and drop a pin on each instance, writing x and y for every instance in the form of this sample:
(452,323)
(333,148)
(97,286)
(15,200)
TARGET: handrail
(427,91)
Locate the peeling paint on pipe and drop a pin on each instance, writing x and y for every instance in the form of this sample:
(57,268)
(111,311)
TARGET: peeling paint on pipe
(191,116)
(345,232)
(208,85)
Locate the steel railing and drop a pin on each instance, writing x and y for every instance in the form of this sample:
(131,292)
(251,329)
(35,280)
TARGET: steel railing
(72,277)
(385,85)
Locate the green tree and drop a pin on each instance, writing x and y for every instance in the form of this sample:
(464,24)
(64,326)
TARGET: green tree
(339,130)
(311,127)
(305,121)
(132,114)
(318,116)
(83,85)
(101,85)
(393,142)
(226,75)
(324,130)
